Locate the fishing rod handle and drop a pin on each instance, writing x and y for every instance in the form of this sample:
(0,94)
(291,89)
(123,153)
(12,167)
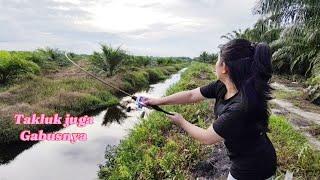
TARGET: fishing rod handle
(154,107)
(160,109)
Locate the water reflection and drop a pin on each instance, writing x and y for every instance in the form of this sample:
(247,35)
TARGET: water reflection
(63,160)
(114,114)
(9,151)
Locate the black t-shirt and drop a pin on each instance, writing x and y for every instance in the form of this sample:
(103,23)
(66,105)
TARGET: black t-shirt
(250,150)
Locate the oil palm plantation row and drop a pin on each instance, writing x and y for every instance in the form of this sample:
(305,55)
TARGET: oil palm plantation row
(207,57)
(112,59)
(14,64)
(292,30)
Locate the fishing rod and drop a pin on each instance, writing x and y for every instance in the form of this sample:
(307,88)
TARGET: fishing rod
(108,83)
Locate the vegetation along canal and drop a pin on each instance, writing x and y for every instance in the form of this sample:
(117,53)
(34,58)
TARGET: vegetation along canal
(62,159)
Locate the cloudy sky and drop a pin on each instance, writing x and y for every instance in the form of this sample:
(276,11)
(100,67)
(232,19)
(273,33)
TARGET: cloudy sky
(141,27)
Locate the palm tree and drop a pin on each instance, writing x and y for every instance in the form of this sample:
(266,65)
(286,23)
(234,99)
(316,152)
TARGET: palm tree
(294,48)
(283,12)
(213,57)
(109,59)
(262,31)
(299,44)
(300,40)
(232,35)
(53,55)
(204,56)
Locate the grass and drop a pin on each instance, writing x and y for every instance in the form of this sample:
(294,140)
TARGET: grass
(293,151)
(42,95)
(162,151)
(289,95)
(74,95)
(157,149)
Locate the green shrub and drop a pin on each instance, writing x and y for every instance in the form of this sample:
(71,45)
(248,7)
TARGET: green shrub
(12,66)
(137,80)
(155,75)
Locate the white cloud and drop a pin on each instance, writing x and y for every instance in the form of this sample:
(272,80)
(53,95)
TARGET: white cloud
(123,16)
(158,27)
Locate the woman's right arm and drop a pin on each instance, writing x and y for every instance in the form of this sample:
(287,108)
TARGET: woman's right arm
(182,97)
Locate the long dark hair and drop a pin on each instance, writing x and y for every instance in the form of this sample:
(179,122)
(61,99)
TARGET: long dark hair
(250,70)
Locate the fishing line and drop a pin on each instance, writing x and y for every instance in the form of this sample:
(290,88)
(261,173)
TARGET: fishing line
(138,99)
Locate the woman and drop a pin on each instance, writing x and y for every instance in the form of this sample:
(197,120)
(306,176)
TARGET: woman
(242,91)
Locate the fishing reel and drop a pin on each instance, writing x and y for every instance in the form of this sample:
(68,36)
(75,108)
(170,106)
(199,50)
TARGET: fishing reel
(138,104)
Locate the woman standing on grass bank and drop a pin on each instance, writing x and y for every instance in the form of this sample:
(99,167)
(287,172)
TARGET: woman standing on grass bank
(242,92)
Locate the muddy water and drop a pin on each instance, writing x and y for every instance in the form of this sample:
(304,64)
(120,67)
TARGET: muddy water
(62,160)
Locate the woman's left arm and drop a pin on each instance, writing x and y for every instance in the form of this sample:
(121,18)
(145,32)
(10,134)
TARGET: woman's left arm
(205,136)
